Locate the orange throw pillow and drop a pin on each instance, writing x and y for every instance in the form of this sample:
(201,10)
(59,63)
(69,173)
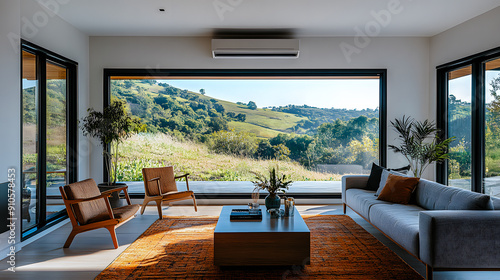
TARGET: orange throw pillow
(398,189)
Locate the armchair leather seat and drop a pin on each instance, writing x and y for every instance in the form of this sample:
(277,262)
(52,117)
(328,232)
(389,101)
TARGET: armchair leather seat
(121,213)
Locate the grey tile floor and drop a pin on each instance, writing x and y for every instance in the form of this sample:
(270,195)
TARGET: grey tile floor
(92,251)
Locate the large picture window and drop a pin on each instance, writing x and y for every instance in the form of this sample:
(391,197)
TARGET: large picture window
(469,110)
(225,125)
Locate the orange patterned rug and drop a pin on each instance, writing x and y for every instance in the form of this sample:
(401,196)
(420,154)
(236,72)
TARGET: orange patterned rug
(182,248)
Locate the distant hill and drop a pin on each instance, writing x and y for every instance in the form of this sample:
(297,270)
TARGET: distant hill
(169,109)
(317,116)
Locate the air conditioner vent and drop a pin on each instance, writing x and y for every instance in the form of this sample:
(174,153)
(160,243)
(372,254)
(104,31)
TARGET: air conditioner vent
(255,48)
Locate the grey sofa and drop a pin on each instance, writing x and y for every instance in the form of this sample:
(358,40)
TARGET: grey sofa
(446,228)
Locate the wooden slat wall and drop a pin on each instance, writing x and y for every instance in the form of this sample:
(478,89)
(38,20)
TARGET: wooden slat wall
(460,73)
(493,65)
(490,65)
(54,72)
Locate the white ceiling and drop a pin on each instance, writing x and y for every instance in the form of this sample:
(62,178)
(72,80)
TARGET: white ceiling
(303,18)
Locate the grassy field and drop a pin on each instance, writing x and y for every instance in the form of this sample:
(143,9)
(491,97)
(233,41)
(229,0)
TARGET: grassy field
(265,118)
(264,123)
(152,150)
(259,131)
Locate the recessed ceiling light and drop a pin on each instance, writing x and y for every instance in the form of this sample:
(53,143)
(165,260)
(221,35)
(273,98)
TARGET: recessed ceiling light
(161,10)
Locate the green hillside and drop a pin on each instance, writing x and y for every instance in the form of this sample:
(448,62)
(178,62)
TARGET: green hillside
(265,118)
(259,131)
(168,109)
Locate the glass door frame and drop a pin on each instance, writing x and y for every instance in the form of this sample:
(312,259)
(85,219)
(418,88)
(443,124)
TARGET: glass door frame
(43,56)
(478,111)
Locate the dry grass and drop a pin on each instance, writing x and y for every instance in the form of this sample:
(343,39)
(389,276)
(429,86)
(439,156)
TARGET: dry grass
(149,150)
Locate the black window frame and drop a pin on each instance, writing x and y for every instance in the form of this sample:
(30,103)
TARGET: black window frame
(381,73)
(43,56)
(478,110)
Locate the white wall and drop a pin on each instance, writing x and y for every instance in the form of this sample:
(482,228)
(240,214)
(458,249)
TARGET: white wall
(42,27)
(406,59)
(473,36)
(10,105)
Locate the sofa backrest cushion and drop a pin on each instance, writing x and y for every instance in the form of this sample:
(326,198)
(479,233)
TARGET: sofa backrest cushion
(374,179)
(376,173)
(435,196)
(494,203)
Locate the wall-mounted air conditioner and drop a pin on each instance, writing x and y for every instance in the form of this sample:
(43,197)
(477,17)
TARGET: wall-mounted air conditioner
(255,48)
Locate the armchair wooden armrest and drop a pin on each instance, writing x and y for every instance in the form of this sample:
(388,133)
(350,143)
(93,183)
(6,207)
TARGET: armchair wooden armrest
(75,201)
(185,175)
(115,190)
(124,189)
(180,176)
(154,179)
(157,179)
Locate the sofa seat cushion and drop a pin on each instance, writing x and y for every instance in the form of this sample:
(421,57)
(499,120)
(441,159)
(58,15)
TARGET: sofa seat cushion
(361,201)
(125,212)
(399,222)
(434,196)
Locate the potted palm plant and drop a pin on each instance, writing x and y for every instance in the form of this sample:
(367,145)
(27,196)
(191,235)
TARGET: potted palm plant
(273,184)
(110,127)
(420,143)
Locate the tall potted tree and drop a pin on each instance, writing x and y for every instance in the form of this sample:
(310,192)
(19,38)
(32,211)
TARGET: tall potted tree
(110,127)
(420,143)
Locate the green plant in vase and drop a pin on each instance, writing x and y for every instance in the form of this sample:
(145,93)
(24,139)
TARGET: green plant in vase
(273,184)
(420,143)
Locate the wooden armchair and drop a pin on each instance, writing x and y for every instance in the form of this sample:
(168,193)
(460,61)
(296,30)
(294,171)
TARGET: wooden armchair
(160,185)
(89,209)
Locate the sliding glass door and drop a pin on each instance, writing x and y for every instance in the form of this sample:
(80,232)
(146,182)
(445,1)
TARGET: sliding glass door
(56,140)
(469,110)
(459,126)
(30,140)
(48,135)
(492,127)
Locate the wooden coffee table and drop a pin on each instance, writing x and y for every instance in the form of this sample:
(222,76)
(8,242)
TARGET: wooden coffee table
(272,241)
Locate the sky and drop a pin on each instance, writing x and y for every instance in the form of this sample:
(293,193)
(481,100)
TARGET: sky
(321,93)
(29,83)
(462,87)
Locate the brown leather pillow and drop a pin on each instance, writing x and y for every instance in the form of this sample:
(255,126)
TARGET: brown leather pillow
(398,189)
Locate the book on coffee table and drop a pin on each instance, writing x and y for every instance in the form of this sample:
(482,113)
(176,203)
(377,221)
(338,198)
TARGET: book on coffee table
(245,215)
